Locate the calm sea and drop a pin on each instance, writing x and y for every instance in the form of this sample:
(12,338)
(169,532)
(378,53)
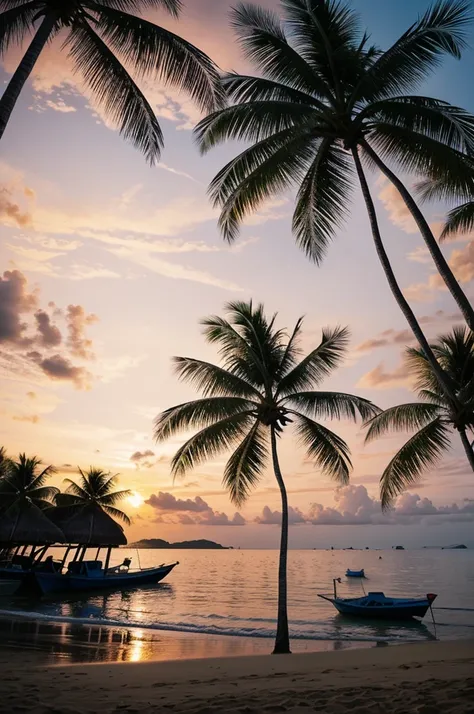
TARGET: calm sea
(233,593)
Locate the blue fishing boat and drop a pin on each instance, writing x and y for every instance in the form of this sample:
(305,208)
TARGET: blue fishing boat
(91,575)
(355,573)
(378,605)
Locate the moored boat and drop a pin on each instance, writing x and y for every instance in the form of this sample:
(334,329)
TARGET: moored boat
(355,573)
(91,575)
(378,605)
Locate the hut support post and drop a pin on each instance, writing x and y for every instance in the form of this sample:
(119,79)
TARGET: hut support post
(97,554)
(63,561)
(107,560)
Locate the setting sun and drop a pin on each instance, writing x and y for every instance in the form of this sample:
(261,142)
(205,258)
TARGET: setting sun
(135,499)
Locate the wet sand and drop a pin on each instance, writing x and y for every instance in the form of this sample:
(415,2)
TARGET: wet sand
(423,678)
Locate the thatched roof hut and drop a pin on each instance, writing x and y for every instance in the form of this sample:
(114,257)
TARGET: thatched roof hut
(28,525)
(90,526)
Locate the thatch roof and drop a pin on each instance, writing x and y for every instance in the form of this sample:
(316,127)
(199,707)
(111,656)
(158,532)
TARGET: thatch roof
(28,525)
(90,526)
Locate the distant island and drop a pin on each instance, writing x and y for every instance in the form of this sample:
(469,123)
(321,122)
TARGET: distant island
(185,544)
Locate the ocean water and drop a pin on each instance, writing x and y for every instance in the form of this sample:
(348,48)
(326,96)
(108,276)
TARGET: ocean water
(233,593)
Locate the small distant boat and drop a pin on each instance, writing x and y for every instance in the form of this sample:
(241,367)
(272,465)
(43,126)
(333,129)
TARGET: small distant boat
(355,573)
(377,605)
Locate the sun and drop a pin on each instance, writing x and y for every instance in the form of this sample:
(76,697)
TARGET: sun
(135,499)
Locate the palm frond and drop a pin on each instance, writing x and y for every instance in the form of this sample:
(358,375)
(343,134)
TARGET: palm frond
(326,35)
(210,442)
(283,168)
(44,493)
(322,200)
(420,368)
(331,405)
(423,450)
(459,220)
(117,514)
(244,468)
(317,364)
(430,117)
(174,7)
(404,417)
(328,451)
(418,52)
(256,121)
(419,154)
(211,380)
(68,500)
(73,489)
(247,89)
(110,499)
(198,414)
(15,24)
(150,48)
(114,89)
(292,351)
(263,41)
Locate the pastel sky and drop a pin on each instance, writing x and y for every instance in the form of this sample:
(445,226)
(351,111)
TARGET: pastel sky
(108,266)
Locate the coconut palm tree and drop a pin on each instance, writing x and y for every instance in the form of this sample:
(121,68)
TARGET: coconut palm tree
(24,481)
(263,385)
(324,101)
(94,489)
(434,418)
(103,38)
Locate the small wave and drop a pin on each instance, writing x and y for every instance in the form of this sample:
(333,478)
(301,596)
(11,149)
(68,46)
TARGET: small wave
(195,629)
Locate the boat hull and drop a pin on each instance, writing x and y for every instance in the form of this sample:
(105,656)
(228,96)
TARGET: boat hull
(389,613)
(48,583)
(377,606)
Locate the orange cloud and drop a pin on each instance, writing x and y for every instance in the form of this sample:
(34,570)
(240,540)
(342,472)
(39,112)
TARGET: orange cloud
(380,378)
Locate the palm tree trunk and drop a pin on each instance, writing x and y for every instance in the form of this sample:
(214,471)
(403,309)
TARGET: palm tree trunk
(282,640)
(440,261)
(468,448)
(23,71)
(443,378)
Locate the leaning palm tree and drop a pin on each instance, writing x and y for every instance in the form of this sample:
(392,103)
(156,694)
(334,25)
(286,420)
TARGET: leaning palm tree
(262,386)
(325,101)
(95,488)
(102,38)
(434,418)
(24,481)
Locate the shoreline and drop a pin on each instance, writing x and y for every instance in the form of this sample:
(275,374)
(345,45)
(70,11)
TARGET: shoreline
(62,641)
(424,678)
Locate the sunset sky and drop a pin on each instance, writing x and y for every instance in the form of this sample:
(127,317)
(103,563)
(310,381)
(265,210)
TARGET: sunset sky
(108,266)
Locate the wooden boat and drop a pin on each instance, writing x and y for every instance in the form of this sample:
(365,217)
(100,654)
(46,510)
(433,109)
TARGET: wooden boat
(378,605)
(355,573)
(8,587)
(91,575)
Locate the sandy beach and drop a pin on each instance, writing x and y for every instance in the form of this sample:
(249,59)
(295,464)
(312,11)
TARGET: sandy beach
(424,678)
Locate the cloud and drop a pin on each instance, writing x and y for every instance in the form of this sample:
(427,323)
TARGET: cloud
(61,368)
(15,300)
(60,106)
(139,455)
(270,517)
(380,378)
(142,458)
(388,337)
(355,507)
(421,254)
(168,502)
(49,334)
(77,321)
(31,418)
(10,212)
(22,334)
(397,211)
(177,510)
(461,263)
